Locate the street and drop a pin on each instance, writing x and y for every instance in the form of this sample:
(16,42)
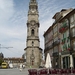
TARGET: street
(13,72)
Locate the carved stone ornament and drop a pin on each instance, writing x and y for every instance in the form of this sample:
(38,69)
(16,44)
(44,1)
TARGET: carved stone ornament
(32,22)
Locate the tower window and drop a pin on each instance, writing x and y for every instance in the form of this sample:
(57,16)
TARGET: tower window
(32,32)
(32,43)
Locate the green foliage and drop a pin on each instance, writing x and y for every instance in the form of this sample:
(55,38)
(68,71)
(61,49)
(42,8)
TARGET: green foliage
(1,60)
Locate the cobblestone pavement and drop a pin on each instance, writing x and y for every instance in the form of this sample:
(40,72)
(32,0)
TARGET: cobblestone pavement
(13,72)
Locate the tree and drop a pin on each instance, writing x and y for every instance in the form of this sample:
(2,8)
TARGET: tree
(1,55)
(1,60)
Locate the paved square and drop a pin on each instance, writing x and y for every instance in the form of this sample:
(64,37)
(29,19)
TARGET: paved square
(13,72)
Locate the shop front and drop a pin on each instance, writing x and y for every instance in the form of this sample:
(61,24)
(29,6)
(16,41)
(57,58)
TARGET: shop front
(65,60)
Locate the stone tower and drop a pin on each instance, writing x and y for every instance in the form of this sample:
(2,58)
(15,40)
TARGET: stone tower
(33,51)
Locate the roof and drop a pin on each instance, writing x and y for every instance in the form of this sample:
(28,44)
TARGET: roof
(48,30)
(54,17)
(66,16)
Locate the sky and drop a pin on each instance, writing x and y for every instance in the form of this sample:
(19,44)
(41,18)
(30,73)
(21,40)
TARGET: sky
(13,19)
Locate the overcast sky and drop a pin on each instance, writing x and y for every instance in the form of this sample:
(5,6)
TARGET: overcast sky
(13,19)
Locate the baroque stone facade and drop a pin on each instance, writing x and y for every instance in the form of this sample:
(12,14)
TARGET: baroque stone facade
(33,51)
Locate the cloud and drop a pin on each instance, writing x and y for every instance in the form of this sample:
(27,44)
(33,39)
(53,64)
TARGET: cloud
(12,29)
(6,10)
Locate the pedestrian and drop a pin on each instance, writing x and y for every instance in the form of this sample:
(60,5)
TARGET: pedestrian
(23,66)
(20,67)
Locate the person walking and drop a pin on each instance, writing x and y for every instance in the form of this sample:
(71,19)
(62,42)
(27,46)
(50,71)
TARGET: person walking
(20,67)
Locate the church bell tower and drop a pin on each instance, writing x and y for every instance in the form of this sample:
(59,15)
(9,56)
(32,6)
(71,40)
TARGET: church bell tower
(33,51)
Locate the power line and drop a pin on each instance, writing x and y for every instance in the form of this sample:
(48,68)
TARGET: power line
(5,47)
(8,49)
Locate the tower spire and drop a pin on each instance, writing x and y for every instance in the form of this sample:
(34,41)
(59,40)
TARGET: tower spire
(33,4)
(33,10)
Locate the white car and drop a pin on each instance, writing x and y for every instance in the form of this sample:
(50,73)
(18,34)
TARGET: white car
(10,65)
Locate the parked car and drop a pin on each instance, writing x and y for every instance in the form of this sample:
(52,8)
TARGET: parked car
(4,65)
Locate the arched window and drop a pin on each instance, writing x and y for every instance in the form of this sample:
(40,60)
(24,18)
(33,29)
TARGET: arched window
(32,32)
(32,43)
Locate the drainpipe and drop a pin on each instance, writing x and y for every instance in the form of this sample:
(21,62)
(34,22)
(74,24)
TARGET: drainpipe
(71,58)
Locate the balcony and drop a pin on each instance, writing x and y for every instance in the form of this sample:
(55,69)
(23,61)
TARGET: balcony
(63,28)
(56,54)
(56,42)
(64,47)
(72,35)
(69,48)
(65,52)
(49,47)
(63,40)
(72,48)
(46,49)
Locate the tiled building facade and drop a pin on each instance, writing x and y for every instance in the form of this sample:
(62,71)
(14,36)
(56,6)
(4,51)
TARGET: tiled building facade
(62,44)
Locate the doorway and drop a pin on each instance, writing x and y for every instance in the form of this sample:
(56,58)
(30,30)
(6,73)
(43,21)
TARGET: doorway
(66,62)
